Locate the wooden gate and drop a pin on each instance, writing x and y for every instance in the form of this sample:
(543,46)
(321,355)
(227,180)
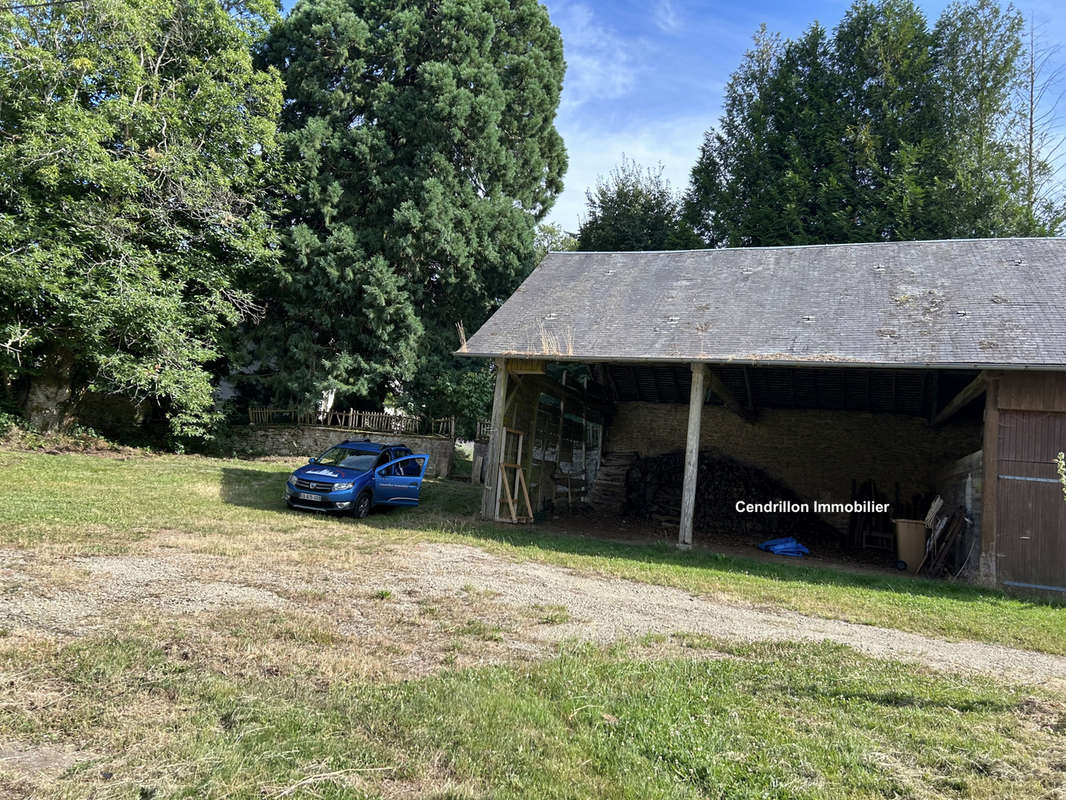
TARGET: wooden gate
(1030,511)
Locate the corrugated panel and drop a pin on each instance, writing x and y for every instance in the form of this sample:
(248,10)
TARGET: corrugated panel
(985,303)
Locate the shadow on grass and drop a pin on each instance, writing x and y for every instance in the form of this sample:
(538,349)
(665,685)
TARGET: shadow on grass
(265,491)
(450,506)
(254,488)
(663,554)
(891,699)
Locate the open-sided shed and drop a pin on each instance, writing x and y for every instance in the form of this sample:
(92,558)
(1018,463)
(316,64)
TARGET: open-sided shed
(934,364)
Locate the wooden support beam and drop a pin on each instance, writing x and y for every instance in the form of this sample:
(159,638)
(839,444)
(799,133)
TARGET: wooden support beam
(972,391)
(525,366)
(989,557)
(692,456)
(560,391)
(490,496)
(721,391)
(934,401)
(513,385)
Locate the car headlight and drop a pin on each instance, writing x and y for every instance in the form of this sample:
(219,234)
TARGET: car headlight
(340,487)
(292,477)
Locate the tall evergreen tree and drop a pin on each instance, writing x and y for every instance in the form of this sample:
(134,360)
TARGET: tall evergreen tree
(424,152)
(811,179)
(731,200)
(888,130)
(883,53)
(132,145)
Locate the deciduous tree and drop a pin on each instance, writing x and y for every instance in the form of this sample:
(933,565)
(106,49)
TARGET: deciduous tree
(549,238)
(133,138)
(633,208)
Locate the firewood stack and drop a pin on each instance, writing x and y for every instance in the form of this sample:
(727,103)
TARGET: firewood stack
(653,491)
(608,492)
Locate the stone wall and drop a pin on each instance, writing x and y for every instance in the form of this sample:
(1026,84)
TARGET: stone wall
(310,440)
(816,452)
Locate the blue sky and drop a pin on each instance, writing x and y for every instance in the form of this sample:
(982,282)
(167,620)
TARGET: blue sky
(645,79)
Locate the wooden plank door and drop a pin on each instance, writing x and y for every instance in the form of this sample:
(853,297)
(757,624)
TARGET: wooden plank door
(1030,509)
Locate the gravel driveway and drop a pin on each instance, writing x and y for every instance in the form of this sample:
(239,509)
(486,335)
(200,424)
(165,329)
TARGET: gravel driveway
(607,608)
(600,609)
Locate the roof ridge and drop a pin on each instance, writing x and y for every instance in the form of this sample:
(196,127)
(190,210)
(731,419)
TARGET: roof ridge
(809,246)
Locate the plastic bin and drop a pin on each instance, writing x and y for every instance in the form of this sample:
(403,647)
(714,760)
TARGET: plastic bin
(910,543)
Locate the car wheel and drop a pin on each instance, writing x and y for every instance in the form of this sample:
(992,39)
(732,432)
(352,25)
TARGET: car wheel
(362,506)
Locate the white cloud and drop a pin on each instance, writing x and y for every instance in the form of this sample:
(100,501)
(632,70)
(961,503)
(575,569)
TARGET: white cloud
(593,153)
(600,64)
(666,17)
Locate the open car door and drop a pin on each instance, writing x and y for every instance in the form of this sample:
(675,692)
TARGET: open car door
(399,482)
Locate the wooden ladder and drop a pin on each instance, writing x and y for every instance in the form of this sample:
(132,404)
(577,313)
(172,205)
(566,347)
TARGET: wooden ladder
(509,492)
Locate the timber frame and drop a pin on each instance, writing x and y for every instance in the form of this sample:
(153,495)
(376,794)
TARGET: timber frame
(940,331)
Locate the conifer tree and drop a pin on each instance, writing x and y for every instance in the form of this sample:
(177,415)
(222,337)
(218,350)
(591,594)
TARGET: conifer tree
(423,150)
(886,130)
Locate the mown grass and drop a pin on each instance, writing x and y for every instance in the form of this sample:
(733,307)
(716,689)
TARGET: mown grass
(95,504)
(154,717)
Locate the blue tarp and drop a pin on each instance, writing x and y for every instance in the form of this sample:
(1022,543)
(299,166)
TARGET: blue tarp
(784,547)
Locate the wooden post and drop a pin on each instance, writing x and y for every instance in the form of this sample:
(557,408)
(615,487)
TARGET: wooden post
(495,449)
(692,456)
(988,565)
(529,458)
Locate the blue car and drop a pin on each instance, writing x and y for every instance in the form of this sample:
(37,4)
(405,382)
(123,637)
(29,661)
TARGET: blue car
(354,476)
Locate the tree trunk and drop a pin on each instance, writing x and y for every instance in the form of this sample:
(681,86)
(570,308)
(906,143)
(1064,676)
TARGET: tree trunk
(50,400)
(325,404)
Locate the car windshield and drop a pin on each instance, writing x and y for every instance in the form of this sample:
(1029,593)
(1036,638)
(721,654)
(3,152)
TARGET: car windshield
(361,460)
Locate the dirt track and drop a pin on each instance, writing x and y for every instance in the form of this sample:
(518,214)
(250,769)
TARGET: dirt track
(170,582)
(610,608)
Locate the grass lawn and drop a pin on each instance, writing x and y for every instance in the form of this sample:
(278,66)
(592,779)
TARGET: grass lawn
(299,700)
(104,504)
(156,717)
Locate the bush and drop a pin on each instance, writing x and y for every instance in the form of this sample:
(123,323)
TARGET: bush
(9,422)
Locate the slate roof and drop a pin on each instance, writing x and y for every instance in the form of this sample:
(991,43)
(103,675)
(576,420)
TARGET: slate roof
(988,303)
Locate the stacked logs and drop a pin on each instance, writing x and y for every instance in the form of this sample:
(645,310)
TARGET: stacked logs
(653,491)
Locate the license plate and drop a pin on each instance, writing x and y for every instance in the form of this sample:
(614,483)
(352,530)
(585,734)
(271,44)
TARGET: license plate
(306,496)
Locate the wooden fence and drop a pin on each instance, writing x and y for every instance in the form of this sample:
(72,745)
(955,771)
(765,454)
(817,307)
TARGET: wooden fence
(372,421)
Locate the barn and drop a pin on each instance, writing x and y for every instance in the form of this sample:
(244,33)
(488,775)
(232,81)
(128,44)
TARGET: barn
(837,374)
